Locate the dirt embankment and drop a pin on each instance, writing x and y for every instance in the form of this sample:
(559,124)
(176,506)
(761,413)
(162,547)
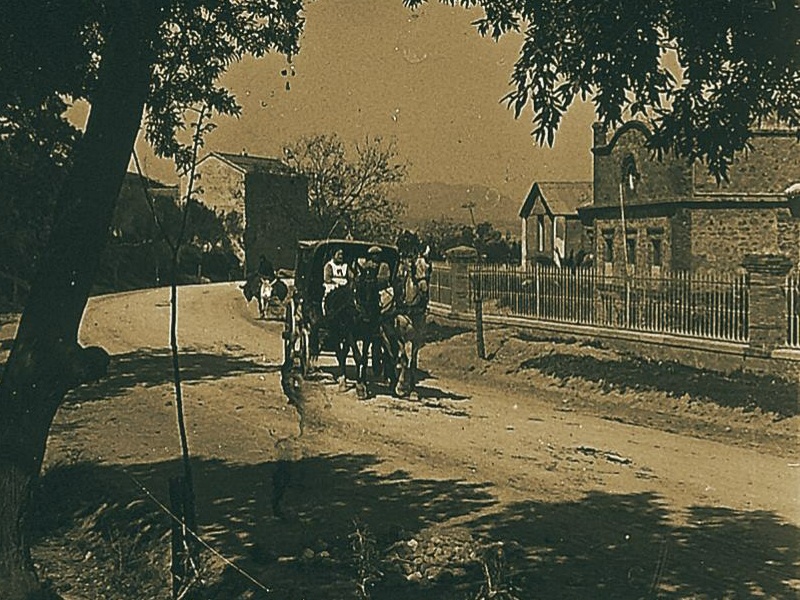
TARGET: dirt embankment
(739,409)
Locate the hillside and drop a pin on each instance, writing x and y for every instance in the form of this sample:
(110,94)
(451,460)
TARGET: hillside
(427,201)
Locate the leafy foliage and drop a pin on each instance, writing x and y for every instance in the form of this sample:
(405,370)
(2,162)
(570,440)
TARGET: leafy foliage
(491,244)
(198,40)
(31,170)
(51,50)
(701,74)
(348,189)
(50,53)
(138,255)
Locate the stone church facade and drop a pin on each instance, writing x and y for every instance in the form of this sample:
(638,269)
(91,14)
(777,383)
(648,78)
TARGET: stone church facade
(650,216)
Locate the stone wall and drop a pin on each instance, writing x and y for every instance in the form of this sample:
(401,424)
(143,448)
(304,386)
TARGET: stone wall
(643,231)
(658,181)
(788,231)
(681,240)
(576,239)
(710,226)
(221,187)
(721,238)
(769,168)
(276,216)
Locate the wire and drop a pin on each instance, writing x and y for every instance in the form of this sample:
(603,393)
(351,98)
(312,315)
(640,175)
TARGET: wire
(202,542)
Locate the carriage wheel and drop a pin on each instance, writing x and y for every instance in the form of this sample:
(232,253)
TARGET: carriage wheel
(288,335)
(305,352)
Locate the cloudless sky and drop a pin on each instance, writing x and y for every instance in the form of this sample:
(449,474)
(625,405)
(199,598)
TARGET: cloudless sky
(426,78)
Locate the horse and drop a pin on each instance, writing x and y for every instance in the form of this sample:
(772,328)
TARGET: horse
(272,292)
(251,288)
(352,320)
(265,291)
(406,329)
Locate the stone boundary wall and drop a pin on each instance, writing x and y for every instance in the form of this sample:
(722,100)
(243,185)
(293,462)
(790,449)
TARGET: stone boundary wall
(765,351)
(724,357)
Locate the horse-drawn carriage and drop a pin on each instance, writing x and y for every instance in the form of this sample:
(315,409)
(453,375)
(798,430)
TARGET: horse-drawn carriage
(307,329)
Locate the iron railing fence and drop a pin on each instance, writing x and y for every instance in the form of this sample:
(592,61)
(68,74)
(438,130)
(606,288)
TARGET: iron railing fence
(441,289)
(709,306)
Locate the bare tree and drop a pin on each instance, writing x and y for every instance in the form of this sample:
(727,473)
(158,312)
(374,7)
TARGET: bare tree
(349,191)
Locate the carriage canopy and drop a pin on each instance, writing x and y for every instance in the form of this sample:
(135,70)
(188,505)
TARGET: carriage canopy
(313,254)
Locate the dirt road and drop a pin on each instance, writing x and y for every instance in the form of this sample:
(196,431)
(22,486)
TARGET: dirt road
(582,506)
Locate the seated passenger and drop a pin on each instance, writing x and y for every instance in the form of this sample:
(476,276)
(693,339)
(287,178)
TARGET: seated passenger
(335,274)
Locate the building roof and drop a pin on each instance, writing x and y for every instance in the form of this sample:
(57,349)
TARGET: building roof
(133,179)
(560,198)
(247,163)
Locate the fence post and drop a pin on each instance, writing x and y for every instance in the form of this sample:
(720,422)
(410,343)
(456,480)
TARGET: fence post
(768,316)
(460,259)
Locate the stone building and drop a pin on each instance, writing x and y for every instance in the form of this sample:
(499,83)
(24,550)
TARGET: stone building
(270,199)
(651,215)
(551,228)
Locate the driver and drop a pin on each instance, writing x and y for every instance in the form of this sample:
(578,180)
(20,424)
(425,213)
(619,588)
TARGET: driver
(382,272)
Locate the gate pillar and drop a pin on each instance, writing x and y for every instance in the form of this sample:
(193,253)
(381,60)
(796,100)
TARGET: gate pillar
(460,259)
(768,315)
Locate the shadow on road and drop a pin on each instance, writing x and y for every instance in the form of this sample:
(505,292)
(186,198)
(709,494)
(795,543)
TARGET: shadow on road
(625,546)
(328,374)
(739,390)
(436,331)
(152,367)
(604,545)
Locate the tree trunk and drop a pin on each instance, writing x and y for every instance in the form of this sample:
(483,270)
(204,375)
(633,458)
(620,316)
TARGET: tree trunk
(46,360)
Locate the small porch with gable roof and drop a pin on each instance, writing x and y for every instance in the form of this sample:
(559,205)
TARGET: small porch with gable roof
(551,228)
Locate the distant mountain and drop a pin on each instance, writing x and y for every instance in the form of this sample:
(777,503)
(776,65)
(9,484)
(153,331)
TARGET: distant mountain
(436,201)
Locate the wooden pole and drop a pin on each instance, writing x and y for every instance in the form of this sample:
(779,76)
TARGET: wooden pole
(478,299)
(178,565)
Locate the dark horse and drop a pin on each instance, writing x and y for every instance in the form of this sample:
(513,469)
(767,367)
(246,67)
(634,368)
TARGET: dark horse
(350,324)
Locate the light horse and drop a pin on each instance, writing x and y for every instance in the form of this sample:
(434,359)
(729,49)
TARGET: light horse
(266,292)
(272,293)
(406,329)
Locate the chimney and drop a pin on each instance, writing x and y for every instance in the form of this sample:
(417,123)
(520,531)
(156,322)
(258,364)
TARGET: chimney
(599,134)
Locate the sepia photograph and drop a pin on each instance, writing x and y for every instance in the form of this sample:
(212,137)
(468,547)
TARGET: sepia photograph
(400,300)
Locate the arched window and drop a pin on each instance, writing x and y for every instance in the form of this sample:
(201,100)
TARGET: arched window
(540,232)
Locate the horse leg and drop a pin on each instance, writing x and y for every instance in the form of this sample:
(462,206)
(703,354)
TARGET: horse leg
(377,358)
(405,383)
(341,356)
(419,340)
(389,351)
(313,348)
(412,367)
(360,357)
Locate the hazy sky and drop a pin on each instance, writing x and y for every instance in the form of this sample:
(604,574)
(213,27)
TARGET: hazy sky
(373,67)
